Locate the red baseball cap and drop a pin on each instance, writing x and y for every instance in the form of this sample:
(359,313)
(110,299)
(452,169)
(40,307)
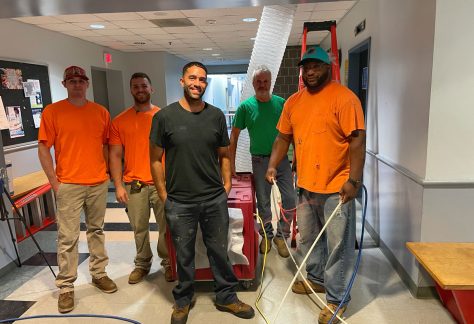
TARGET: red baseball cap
(74,71)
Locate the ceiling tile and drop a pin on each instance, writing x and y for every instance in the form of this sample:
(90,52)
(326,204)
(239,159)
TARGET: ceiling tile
(127,38)
(189,35)
(161,14)
(181,30)
(120,16)
(148,31)
(86,25)
(61,27)
(327,15)
(79,18)
(40,20)
(160,37)
(114,32)
(134,24)
(90,33)
(204,12)
(334,5)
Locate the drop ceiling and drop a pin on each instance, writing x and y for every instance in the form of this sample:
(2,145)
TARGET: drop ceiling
(215,35)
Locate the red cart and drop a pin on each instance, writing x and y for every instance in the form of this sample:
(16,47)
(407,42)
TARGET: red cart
(241,196)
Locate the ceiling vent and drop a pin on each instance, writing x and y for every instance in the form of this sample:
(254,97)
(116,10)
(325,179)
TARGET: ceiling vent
(177,22)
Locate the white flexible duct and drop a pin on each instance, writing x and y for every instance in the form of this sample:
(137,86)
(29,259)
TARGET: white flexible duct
(270,44)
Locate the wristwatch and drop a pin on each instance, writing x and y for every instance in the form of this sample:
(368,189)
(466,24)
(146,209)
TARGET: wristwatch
(355,183)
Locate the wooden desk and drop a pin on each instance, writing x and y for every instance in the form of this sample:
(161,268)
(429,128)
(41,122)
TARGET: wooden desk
(23,185)
(451,266)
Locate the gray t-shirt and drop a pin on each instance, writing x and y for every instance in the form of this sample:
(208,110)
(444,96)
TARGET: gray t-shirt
(191,141)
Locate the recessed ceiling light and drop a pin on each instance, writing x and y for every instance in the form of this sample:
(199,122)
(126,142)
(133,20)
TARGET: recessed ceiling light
(97,26)
(207,49)
(249,19)
(139,43)
(211,21)
(215,54)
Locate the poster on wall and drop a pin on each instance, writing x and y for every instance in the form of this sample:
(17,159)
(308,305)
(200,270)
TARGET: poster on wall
(36,100)
(15,122)
(3,116)
(11,79)
(28,89)
(36,116)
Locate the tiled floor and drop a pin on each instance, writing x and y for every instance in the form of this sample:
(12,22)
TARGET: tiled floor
(378,295)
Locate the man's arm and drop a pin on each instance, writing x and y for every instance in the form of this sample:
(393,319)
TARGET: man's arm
(224,161)
(157,170)
(46,160)
(115,166)
(234,137)
(279,150)
(357,159)
(105,151)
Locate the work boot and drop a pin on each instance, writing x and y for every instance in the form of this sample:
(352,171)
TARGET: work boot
(66,302)
(262,245)
(137,275)
(281,247)
(105,284)
(165,263)
(239,309)
(325,315)
(300,287)
(180,314)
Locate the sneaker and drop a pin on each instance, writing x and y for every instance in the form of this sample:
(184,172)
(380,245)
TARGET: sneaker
(325,315)
(300,287)
(105,284)
(180,314)
(137,275)
(239,309)
(168,273)
(66,302)
(268,246)
(281,247)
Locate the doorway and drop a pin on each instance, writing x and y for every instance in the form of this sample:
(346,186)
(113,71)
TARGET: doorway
(358,76)
(107,85)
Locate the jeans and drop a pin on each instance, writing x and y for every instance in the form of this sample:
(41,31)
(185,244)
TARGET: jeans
(213,219)
(331,262)
(263,190)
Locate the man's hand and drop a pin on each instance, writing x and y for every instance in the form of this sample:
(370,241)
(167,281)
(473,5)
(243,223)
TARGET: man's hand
(55,185)
(121,194)
(227,188)
(348,192)
(163,196)
(232,169)
(271,175)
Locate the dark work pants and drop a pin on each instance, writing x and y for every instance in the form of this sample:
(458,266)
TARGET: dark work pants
(213,219)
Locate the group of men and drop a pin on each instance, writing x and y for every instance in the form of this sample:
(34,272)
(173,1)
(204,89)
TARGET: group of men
(177,161)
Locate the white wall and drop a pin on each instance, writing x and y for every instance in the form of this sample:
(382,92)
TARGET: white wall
(173,72)
(451,133)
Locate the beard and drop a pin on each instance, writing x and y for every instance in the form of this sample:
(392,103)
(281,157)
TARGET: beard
(191,96)
(142,99)
(318,83)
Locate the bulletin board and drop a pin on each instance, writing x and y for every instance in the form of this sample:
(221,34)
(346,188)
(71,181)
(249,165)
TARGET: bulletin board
(24,93)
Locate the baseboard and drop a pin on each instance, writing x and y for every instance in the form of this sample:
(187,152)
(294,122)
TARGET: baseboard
(417,292)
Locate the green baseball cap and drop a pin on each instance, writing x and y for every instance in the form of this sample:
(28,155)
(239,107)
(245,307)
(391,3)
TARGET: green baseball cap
(315,53)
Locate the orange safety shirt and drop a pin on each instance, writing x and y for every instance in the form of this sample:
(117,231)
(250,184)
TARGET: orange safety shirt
(78,135)
(321,124)
(131,130)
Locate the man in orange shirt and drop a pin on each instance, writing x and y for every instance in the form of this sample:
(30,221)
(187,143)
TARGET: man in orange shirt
(79,130)
(129,134)
(326,122)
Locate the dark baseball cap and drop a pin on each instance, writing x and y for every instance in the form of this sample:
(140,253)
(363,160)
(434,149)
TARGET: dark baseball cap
(73,72)
(315,54)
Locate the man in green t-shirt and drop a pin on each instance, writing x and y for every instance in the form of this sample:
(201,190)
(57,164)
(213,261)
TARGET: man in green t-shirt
(260,115)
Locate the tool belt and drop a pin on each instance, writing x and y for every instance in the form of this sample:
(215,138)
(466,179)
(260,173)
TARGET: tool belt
(136,186)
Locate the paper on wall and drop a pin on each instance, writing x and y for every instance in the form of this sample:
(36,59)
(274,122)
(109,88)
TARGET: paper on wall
(3,116)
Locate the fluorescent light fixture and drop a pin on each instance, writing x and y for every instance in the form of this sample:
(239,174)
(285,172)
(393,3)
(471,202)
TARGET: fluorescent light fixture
(253,38)
(207,49)
(215,54)
(249,19)
(96,26)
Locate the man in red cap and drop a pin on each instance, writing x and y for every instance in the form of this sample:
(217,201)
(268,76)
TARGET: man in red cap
(326,123)
(79,130)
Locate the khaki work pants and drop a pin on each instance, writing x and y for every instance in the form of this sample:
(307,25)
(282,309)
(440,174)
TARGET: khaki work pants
(138,211)
(71,199)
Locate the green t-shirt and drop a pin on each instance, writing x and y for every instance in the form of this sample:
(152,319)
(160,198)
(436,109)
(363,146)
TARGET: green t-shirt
(260,118)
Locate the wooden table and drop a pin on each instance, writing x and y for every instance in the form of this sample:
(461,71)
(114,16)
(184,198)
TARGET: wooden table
(452,267)
(23,185)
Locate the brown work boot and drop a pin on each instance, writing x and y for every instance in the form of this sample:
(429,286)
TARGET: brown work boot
(281,247)
(262,245)
(325,315)
(137,275)
(239,309)
(300,287)
(165,263)
(180,314)
(105,284)
(66,302)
